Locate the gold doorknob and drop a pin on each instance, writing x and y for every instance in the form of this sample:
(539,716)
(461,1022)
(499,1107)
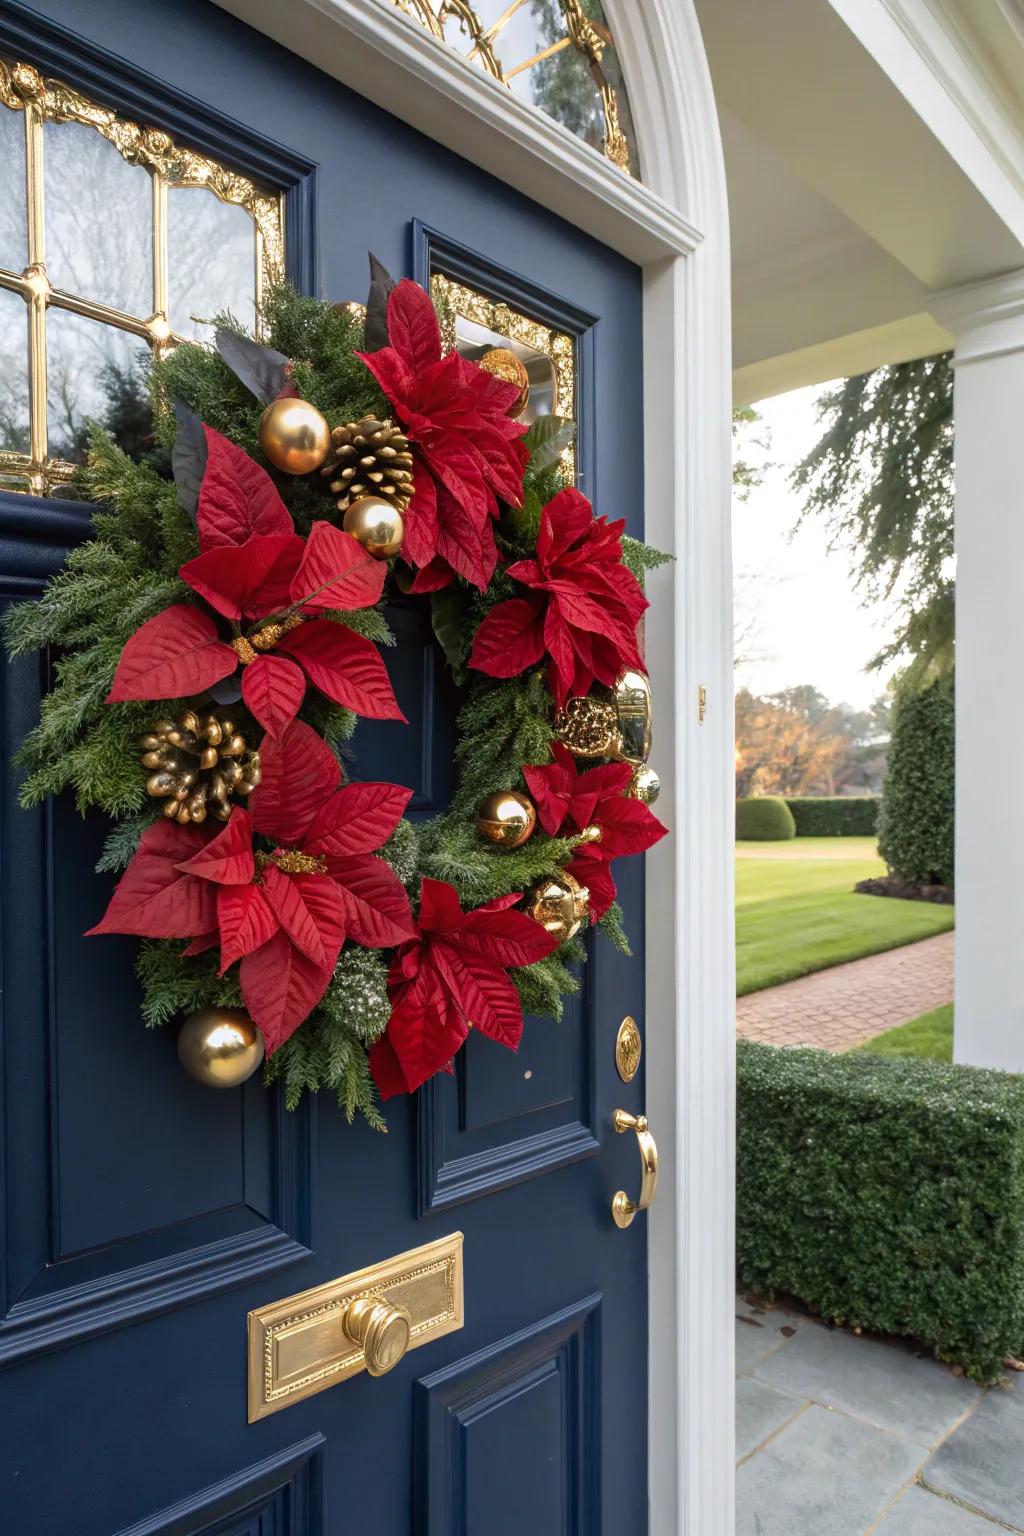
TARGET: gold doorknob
(623,1208)
(381,1330)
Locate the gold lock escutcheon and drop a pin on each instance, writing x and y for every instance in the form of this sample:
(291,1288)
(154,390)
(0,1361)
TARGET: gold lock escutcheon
(365,1321)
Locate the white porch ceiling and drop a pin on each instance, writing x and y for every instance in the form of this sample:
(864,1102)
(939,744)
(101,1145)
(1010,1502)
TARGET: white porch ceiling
(854,188)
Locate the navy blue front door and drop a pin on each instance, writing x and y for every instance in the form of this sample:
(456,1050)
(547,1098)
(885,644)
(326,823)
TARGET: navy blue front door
(143,1215)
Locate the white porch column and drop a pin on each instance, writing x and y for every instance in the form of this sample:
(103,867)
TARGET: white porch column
(987,322)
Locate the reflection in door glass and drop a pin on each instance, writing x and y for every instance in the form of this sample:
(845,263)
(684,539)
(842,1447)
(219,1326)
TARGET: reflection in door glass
(92,375)
(211,261)
(99,237)
(13,238)
(14,435)
(474,340)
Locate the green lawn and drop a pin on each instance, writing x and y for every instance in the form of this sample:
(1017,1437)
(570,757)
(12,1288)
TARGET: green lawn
(930,1036)
(796,910)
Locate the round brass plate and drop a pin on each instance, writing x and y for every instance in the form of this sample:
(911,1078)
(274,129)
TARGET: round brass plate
(628,1049)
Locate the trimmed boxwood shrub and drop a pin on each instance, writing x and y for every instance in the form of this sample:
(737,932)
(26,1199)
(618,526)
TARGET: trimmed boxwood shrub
(915,825)
(887,1193)
(835,815)
(764,818)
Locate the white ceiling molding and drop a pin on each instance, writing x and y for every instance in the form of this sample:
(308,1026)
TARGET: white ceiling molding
(369,44)
(987,318)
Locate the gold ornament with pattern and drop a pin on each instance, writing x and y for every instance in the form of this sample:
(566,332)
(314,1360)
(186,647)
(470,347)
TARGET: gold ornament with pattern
(198,765)
(560,904)
(294,435)
(507,366)
(507,818)
(645,785)
(370,458)
(613,723)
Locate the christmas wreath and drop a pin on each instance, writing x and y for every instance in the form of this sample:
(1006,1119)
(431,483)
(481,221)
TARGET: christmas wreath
(219,635)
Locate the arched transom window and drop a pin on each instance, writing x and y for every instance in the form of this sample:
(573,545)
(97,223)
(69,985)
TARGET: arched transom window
(113,240)
(559,55)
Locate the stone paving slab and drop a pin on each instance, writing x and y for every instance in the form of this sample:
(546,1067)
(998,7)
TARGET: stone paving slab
(760,1412)
(759,1332)
(920,1513)
(872,1379)
(982,1465)
(848,1004)
(824,1475)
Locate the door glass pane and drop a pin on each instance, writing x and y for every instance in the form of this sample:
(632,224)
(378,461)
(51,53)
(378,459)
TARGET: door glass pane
(93,374)
(99,219)
(14,434)
(474,340)
(13,237)
(211,261)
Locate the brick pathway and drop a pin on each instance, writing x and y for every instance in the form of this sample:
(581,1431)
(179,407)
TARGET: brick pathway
(841,1007)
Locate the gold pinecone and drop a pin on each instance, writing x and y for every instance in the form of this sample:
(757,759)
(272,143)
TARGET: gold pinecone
(370,458)
(198,764)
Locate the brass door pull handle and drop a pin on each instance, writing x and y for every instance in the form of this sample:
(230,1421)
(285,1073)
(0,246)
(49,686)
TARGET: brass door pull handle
(381,1330)
(623,1208)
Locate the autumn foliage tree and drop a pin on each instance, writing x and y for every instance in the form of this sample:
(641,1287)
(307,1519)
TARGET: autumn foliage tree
(797,743)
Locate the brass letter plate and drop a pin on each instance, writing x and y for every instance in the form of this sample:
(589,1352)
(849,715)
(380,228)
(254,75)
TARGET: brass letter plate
(310,1341)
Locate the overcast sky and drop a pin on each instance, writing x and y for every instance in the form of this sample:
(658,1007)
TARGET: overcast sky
(805,623)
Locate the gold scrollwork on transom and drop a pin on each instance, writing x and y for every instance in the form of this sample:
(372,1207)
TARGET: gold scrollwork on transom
(41,99)
(494,48)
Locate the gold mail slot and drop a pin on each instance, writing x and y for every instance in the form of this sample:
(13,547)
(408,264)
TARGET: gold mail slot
(365,1321)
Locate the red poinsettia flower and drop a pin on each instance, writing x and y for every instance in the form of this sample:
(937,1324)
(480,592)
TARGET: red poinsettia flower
(466,449)
(454,974)
(256,571)
(582,610)
(568,802)
(284,913)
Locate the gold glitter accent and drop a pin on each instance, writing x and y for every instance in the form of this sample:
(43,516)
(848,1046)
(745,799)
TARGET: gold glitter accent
(291,862)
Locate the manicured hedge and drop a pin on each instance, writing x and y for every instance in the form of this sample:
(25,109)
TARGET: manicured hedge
(764,818)
(835,815)
(915,826)
(887,1193)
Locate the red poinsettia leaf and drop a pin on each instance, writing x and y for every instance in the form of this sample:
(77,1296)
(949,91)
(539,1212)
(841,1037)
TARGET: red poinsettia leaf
(284,897)
(577,607)
(299,771)
(345,666)
(596,878)
(566,518)
(413,330)
(506,937)
(465,540)
(245,921)
(227,858)
(628,827)
(374,901)
(336,572)
(386,1069)
(559,643)
(459,470)
(440,908)
(424,1032)
(273,688)
(432,578)
(202,944)
(421,526)
(482,991)
(394,378)
(359,818)
(510,639)
(552,789)
(236,498)
(609,779)
(528,572)
(231,578)
(172,656)
(280,988)
(503,460)
(154,898)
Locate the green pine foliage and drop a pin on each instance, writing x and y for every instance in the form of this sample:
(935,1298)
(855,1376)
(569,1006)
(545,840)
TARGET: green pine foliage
(128,572)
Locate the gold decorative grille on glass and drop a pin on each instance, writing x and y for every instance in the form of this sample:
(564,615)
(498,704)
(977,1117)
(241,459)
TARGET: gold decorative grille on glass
(114,241)
(558,55)
(472,323)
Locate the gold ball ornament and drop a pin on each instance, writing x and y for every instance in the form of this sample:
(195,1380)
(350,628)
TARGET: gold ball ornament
(505,365)
(294,436)
(560,904)
(646,785)
(377,524)
(614,723)
(220,1047)
(507,819)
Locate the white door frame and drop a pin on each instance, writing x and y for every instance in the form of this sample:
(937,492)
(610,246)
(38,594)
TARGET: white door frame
(675,225)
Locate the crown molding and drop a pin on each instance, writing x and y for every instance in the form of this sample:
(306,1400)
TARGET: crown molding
(986,318)
(386,56)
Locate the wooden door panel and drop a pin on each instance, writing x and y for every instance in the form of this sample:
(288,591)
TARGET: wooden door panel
(281,1496)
